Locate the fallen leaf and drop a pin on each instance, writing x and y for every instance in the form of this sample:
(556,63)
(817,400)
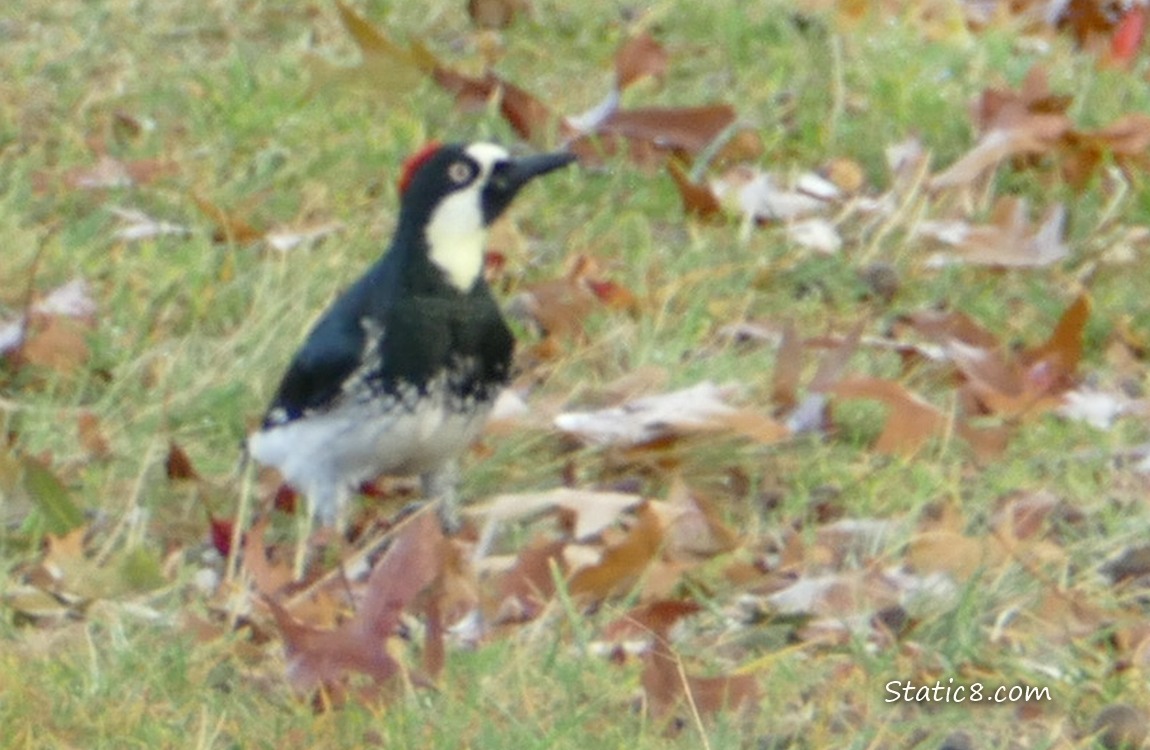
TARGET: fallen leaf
(815,234)
(55,342)
(651,135)
(622,563)
(494,14)
(230,227)
(91,435)
(640,57)
(177,464)
(324,659)
(1037,135)
(698,200)
(59,512)
(592,510)
(284,239)
(700,408)
(54,328)
(389,70)
(559,307)
(693,529)
(531,119)
(758,196)
(1128,36)
(109,173)
(1008,241)
(667,686)
(135,225)
(520,592)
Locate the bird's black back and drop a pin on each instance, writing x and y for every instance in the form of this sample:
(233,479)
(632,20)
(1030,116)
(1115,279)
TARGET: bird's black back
(398,326)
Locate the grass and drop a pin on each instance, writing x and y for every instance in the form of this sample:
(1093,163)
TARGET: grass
(192,335)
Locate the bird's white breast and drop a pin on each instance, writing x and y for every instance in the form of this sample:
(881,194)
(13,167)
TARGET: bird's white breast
(327,455)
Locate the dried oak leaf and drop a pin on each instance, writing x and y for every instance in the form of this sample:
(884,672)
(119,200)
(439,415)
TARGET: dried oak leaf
(1012,123)
(387,68)
(648,136)
(622,563)
(698,409)
(324,659)
(531,119)
(640,57)
(1008,241)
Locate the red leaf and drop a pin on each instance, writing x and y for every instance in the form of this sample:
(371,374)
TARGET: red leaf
(221,530)
(1127,38)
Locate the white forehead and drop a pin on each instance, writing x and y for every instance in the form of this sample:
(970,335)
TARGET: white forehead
(487,155)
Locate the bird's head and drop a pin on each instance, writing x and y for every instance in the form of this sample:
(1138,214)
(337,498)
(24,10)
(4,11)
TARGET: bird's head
(453,193)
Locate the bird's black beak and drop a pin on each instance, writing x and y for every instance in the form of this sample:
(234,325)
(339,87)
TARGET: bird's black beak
(510,176)
(523,170)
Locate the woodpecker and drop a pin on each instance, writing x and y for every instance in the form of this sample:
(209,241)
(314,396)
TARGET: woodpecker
(398,375)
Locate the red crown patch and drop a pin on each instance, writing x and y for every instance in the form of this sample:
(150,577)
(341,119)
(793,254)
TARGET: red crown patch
(414,162)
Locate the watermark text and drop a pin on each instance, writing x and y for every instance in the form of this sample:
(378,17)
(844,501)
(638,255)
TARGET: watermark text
(958,692)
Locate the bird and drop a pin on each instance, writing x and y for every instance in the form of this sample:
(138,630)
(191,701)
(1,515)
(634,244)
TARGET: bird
(398,375)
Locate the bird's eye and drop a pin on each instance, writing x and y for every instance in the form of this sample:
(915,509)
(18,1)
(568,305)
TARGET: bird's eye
(459,172)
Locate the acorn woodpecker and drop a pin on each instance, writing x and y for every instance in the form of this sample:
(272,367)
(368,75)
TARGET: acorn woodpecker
(399,374)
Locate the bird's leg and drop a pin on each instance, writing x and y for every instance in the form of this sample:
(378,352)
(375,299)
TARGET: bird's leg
(442,484)
(305,521)
(326,507)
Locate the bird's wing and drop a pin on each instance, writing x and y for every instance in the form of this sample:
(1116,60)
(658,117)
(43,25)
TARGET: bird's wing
(314,381)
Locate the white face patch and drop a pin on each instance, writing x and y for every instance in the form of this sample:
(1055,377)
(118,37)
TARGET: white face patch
(455,234)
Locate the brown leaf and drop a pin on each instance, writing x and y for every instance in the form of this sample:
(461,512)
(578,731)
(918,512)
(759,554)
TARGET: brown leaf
(640,57)
(698,200)
(521,592)
(699,408)
(109,172)
(1062,352)
(910,421)
(1038,134)
(652,619)
(559,307)
(666,685)
(942,327)
(693,529)
(230,227)
(91,434)
(788,369)
(494,14)
(325,658)
(1006,108)
(1008,241)
(531,119)
(1031,382)
(651,135)
(55,342)
(178,465)
(951,552)
(270,577)
(621,564)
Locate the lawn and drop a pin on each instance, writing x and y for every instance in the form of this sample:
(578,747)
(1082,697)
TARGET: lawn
(939,520)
